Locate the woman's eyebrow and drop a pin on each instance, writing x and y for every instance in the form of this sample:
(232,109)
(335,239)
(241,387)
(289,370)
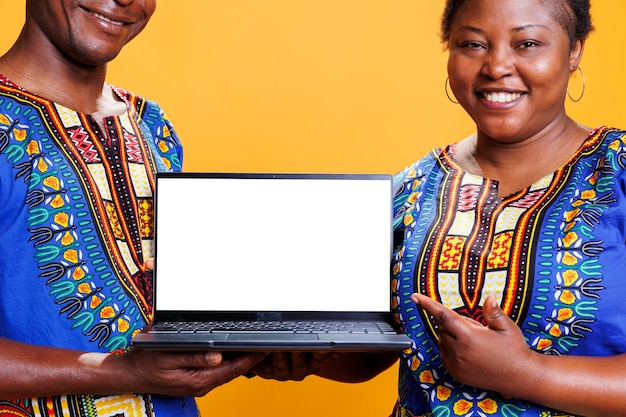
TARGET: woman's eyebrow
(522,28)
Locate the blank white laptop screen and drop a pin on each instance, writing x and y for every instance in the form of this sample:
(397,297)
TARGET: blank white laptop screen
(273,244)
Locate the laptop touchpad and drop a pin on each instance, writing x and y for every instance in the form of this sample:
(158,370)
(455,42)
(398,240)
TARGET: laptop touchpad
(271,336)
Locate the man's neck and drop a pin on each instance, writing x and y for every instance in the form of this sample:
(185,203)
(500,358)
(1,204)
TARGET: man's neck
(55,78)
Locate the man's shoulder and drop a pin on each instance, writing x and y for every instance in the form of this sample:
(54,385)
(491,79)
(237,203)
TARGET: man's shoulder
(136,100)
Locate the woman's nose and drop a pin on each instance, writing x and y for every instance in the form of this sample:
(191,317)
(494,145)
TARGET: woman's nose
(499,62)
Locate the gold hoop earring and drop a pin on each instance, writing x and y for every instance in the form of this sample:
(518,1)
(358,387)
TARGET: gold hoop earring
(582,92)
(447,93)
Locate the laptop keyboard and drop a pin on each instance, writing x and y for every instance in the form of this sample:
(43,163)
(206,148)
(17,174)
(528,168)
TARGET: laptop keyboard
(273,327)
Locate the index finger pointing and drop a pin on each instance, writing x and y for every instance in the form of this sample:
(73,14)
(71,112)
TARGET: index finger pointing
(432,307)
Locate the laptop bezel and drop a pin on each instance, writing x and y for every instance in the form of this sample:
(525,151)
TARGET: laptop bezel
(208,315)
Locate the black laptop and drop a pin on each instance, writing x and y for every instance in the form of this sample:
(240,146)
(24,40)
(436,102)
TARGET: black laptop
(271,262)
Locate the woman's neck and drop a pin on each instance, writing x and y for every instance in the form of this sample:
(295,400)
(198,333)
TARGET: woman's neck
(518,165)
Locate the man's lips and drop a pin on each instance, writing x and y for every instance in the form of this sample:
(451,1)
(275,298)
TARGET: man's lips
(106,19)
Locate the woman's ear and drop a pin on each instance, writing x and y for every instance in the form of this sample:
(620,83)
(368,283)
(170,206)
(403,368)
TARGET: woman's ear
(576,54)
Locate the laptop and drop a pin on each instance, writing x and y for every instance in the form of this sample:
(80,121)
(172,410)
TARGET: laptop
(257,262)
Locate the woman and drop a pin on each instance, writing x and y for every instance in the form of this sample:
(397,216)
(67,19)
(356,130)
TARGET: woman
(512,241)
(519,227)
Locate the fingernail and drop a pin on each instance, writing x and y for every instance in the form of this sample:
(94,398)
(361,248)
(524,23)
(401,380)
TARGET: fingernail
(213,358)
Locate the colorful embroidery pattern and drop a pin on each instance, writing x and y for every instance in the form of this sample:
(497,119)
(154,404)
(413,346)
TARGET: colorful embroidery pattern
(538,250)
(88,194)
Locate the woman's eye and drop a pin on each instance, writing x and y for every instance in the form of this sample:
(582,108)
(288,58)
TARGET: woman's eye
(472,45)
(527,44)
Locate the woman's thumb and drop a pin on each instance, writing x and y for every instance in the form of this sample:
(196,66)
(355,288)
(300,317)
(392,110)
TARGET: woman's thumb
(493,314)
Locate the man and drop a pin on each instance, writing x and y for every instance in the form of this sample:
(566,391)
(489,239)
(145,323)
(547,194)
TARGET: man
(77,164)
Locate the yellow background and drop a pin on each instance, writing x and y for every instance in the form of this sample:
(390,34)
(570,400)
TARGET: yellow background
(318,85)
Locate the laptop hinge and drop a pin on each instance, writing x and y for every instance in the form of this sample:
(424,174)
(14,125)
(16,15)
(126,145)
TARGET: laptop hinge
(269,316)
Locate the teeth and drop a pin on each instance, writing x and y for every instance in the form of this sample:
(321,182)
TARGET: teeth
(106,19)
(502,97)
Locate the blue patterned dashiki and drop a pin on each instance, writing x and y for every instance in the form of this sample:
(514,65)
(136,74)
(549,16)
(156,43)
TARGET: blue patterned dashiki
(76,224)
(554,254)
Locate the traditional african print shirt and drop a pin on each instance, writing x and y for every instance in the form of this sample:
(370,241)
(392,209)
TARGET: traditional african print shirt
(554,254)
(76,224)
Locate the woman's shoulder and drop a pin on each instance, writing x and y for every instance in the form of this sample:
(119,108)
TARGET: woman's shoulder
(606,139)
(606,146)
(605,132)
(420,166)
(411,178)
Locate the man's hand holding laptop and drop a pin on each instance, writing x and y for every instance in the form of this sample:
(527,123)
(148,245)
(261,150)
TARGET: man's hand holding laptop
(183,373)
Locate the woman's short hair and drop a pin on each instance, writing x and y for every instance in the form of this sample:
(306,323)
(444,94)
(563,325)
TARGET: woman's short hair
(573,15)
